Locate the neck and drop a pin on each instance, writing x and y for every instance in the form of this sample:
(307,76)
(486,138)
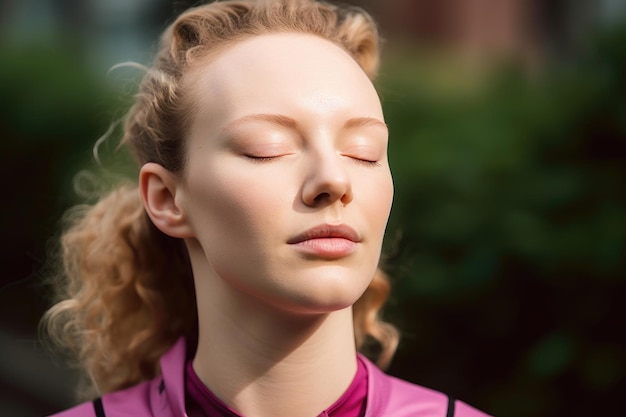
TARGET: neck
(263,362)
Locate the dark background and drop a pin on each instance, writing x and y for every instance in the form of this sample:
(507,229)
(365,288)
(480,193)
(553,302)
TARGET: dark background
(507,241)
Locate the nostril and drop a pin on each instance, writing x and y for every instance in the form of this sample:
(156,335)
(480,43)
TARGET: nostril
(321,197)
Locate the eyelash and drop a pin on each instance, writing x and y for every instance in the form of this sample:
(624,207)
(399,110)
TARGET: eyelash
(366,162)
(260,159)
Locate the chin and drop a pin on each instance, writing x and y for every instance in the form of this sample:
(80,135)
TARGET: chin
(313,307)
(326,295)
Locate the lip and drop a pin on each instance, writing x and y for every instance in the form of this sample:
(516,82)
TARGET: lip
(327,241)
(327,231)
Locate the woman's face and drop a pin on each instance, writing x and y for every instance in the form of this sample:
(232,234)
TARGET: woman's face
(287,188)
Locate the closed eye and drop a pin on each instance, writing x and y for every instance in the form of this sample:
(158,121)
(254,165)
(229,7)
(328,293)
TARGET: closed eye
(363,152)
(365,162)
(261,159)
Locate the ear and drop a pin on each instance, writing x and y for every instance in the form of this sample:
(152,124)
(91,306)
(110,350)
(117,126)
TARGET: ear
(158,191)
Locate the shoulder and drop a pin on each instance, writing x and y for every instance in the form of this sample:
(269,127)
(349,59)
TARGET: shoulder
(408,396)
(392,397)
(138,400)
(150,398)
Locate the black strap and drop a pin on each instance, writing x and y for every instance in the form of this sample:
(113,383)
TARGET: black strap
(98,407)
(451,402)
(162,387)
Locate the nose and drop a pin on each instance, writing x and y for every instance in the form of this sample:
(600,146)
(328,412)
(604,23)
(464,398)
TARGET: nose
(328,181)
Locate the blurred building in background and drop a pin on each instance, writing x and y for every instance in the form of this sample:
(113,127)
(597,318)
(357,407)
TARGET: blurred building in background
(119,30)
(480,29)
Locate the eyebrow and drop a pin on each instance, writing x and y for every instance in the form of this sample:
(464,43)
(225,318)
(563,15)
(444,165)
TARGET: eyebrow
(291,123)
(278,119)
(364,121)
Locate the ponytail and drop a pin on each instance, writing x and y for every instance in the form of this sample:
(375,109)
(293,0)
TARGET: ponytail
(125,290)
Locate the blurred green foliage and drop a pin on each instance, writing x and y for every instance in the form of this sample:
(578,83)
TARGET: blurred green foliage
(50,110)
(507,237)
(508,233)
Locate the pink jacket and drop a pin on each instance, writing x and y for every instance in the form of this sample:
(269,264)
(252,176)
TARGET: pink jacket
(164,396)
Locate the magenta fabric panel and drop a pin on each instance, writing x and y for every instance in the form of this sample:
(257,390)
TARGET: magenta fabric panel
(164,396)
(201,402)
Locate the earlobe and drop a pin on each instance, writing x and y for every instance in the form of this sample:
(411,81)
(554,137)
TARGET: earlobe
(158,191)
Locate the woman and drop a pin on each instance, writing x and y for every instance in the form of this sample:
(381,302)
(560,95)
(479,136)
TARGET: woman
(224,283)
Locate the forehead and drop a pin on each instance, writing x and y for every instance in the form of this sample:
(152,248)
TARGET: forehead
(280,73)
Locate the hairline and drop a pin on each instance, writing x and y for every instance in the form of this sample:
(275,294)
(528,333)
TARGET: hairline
(212,54)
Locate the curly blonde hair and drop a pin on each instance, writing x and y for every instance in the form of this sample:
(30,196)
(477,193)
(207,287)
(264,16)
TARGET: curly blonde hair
(118,307)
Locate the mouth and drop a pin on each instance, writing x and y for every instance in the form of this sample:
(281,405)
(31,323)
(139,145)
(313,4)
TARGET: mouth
(327,241)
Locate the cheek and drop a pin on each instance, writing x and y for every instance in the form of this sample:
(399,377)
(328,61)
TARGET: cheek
(387,195)
(378,193)
(232,208)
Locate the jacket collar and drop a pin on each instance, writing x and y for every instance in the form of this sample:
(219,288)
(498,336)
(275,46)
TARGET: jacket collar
(173,370)
(378,389)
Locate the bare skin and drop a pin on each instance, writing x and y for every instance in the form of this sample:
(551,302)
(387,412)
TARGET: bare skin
(283,205)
